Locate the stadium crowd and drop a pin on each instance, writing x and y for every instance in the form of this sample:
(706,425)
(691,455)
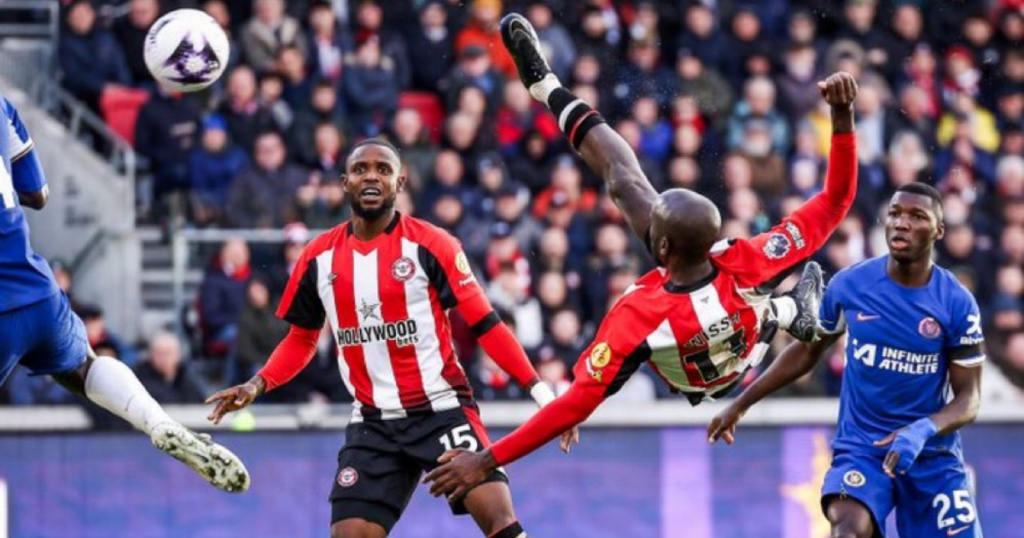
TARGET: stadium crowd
(716,96)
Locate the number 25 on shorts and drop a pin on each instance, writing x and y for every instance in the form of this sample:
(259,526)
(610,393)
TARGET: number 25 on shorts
(459,437)
(963,511)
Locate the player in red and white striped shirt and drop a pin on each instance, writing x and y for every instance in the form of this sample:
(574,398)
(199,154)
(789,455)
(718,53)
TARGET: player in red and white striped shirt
(705,315)
(384,282)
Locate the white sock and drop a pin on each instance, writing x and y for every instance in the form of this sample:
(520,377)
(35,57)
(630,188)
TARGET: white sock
(785,311)
(541,90)
(114,387)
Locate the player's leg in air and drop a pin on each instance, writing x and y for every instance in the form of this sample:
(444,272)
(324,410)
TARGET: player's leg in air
(48,338)
(609,155)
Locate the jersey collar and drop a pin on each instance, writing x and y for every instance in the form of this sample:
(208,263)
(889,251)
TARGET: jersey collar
(690,288)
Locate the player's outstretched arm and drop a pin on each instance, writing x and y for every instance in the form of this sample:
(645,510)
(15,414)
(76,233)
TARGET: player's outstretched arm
(907,443)
(604,151)
(287,360)
(795,361)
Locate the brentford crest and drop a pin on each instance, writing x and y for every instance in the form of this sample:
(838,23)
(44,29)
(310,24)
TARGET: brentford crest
(347,477)
(403,269)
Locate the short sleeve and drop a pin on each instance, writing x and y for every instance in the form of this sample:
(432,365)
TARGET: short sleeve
(449,271)
(301,304)
(964,339)
(830,315)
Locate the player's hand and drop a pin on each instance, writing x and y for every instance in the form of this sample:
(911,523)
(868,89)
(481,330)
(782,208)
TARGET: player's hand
(724,425)
(839,90)
(234,398)
(569,438)
(459,472)
(906,446)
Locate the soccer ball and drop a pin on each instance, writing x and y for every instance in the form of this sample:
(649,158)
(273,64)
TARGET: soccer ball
(186,50)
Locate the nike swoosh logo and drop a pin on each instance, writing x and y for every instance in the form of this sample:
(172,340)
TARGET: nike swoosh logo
(954,532)
(862,317)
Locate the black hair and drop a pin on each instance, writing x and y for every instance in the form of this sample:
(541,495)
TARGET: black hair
(923,189)
(375,141)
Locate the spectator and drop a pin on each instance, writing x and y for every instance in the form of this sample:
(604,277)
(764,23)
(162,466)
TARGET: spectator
(411,138)
(213,165)
(759,103)
(431,47)
(80,46)
(329,42)
(322,107)
(297,81)
(166,376)
(271,98)
(507,291)
(520,113)
(472,69)
(554,38)
(370,87)
(329,145)
(296,238)
(370,25)
(166,132)
(482,31)
(530,163)
(643,75)
(102,339)
(263,195)
(747,47)
(259,331)
(702,38)
(490,383)
(655,132)
(131,31)
(242,110)
(270,30)
(859,26)
(797,84)
(222,295)
(710,91)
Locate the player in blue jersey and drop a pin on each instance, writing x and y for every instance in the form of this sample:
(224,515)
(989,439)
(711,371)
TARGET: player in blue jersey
(913,337)
(39,330)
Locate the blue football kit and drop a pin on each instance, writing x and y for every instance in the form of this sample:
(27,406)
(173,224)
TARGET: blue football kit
(900,344)
(37,327)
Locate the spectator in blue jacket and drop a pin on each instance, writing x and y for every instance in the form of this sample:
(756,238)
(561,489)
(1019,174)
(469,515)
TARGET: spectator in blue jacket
(370,87)
(213,165)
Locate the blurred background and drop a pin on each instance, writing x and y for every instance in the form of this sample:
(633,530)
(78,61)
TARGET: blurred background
(176,219)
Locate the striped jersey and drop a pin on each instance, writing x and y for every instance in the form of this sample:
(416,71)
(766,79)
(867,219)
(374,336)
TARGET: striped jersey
(702,338)
(386,301)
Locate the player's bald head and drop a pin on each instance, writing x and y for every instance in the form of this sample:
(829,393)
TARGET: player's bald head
(684,225)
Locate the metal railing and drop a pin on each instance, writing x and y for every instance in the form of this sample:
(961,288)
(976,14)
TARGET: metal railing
(184,239)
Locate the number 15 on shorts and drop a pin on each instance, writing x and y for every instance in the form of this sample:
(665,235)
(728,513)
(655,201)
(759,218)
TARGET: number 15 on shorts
(954,514)
(460,437)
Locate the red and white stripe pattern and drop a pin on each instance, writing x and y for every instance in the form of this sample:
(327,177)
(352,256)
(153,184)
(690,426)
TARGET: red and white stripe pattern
(697,334)
(395,352)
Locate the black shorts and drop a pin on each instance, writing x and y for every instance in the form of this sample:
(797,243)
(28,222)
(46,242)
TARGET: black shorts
(382,462)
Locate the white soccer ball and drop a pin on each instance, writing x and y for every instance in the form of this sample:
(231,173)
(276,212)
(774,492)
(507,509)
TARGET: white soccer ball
(186,50)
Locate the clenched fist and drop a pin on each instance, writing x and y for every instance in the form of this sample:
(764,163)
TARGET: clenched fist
(839,90)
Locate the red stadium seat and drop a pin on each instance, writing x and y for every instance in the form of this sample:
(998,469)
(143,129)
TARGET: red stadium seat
(120,108)
(430,108)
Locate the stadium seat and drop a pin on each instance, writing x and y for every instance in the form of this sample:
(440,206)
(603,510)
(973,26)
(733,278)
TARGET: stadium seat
(120,108)
(430,108)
